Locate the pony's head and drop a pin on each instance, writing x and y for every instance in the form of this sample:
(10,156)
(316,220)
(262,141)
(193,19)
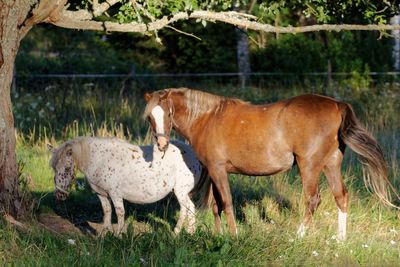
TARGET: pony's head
(159,112)
(62,162)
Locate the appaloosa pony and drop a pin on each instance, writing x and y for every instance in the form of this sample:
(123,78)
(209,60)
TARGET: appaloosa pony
(118,170)
(233,136)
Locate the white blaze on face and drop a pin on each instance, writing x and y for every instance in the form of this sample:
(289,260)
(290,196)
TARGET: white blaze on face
(158,115)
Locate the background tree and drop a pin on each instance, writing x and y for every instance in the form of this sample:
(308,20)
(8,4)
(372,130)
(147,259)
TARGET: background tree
(17,17)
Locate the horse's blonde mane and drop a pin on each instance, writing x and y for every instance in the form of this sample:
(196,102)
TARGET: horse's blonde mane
(197,102)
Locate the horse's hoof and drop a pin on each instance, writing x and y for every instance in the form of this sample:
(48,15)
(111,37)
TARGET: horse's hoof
(301,232)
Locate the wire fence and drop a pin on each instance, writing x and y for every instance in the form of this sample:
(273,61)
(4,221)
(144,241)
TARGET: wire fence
(213,74)
(56,100)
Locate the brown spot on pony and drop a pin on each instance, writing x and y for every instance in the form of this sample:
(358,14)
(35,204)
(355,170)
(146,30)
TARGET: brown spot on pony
(232,136)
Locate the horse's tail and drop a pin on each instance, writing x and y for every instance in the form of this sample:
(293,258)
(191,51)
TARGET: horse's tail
(354,135)
(202,189)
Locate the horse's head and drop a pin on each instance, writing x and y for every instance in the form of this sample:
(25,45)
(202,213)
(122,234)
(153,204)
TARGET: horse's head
(159,112)
(62,163)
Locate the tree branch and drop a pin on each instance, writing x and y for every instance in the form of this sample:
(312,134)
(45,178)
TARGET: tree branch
(75,20)
(99,9)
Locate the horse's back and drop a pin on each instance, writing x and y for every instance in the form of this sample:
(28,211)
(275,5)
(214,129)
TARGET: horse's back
(275,131)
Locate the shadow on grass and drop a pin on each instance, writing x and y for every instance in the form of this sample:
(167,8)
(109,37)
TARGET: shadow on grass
(83,206)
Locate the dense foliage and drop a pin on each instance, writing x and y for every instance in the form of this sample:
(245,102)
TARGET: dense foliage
(53,50)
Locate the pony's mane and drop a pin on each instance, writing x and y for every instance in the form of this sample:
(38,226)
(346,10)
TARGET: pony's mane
(80,151)
(58,152)
(197,102)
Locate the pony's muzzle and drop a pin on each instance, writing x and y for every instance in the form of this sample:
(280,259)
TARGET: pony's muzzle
(60,195)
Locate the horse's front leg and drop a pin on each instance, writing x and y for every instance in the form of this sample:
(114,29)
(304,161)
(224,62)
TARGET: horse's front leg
(219,177)
(120,211)
(216,208)
(107,210)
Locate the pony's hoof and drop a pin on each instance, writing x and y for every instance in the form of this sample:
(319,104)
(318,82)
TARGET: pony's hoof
(103,232)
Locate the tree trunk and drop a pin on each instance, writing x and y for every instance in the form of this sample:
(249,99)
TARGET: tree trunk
(243,59)
(12,16)
(396,43)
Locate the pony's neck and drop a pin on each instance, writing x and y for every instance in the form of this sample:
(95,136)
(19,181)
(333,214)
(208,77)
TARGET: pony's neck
(81,154)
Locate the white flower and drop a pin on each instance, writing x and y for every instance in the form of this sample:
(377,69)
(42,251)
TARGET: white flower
(392,242)
(336,255)
(34,105)
(365,245)
(71,242)
(315,253)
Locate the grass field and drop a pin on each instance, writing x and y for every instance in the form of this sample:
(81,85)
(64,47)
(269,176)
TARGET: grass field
(268,209)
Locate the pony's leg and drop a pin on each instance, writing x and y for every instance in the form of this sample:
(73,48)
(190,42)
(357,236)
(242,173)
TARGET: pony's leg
(335,181)
(120,211)
(310,177)
(191,215)
(219,177)
(107,210)
(182,212)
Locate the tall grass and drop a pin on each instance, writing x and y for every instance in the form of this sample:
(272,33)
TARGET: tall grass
(268,209)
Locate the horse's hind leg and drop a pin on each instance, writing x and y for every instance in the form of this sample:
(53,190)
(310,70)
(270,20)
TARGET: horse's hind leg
(309,171)
(335,181)
(120,211)
(107,210)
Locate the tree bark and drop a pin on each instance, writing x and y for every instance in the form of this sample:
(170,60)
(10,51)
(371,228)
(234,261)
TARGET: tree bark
(396,43)
(12,30)
(243,59)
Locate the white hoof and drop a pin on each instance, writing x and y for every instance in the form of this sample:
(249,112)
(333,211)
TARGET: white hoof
(301,232)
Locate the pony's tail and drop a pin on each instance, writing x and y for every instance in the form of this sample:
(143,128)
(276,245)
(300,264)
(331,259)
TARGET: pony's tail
(375,173)
(203,190)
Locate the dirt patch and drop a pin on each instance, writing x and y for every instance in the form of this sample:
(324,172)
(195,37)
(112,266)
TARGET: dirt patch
(59,225)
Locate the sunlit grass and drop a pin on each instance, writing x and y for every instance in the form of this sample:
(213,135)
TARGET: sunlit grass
(268,209)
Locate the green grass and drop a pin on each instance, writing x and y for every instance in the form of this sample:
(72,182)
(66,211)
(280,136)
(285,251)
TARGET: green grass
(268,209)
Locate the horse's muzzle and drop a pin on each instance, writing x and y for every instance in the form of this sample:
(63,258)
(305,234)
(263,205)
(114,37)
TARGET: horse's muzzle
(162,143)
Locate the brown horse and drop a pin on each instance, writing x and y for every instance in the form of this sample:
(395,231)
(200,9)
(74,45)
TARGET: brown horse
(232,136)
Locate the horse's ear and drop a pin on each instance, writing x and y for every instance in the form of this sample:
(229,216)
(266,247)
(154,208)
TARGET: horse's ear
(169,92)
(50,148)
(147,97)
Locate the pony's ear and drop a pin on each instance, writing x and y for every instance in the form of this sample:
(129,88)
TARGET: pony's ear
(51,148)
(147,97)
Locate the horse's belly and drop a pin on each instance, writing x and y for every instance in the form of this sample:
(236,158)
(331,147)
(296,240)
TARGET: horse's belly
(258,164)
